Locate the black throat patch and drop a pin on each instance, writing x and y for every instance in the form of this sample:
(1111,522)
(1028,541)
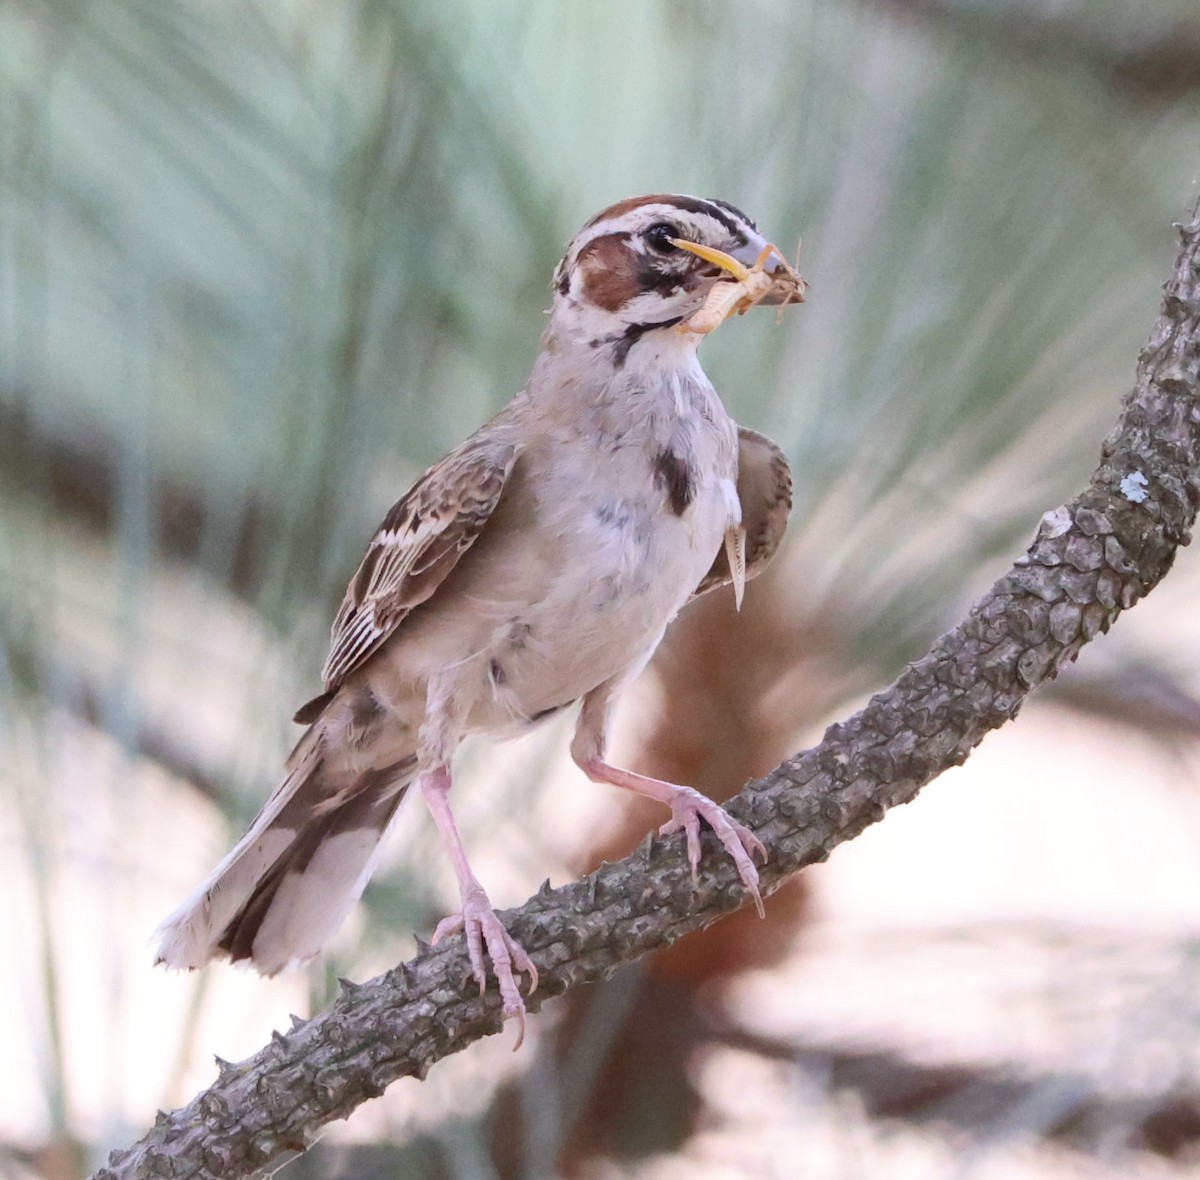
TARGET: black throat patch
(676,478)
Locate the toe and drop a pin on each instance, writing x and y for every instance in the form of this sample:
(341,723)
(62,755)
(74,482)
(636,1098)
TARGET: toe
(475,951)
(686,818)
(506,954)
(739,842)
(508,960)
(749,875)
(524,964)
(447,928)
(517,1014)
(751,842)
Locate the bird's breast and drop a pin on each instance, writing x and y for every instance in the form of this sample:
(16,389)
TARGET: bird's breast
(608,524)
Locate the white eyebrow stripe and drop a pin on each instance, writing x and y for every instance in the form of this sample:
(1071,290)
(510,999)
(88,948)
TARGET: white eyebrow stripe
(611,225)
(685,218)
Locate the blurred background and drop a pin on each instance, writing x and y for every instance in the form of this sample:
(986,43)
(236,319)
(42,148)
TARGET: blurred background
(261,263)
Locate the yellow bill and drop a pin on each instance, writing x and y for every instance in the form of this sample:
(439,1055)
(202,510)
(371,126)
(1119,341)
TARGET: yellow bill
(715,256)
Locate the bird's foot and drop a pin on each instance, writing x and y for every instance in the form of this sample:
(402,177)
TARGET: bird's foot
(488,940)
(688,808)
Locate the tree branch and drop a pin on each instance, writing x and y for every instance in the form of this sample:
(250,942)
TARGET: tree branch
(1092,558)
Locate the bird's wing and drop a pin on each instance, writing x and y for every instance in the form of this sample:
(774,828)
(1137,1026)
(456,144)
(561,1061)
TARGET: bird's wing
(764,487)
(416,547)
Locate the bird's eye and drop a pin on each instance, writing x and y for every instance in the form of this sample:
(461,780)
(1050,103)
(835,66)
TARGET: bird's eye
(658,237)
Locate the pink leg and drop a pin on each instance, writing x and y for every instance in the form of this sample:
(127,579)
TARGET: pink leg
(688,806)
(477,918)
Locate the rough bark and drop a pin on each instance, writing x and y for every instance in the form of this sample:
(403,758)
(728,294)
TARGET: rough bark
(1091,559)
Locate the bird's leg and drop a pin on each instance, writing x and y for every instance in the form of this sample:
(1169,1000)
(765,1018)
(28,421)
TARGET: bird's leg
(483,930)
(688,806)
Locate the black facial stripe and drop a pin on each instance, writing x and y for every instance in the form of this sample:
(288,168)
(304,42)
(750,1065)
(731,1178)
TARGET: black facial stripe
(660,281)
(734,210)
(632,335)
(713,209)
(720,211)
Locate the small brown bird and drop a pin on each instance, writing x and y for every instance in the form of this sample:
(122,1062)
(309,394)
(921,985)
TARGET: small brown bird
(535,566)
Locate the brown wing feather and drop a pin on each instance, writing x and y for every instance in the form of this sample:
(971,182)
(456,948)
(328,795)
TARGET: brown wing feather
(418,544)
(764,487)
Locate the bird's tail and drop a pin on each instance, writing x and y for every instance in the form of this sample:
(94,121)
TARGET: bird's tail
(290,881)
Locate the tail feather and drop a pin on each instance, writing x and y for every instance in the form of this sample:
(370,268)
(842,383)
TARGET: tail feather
(305,895)
(290,881)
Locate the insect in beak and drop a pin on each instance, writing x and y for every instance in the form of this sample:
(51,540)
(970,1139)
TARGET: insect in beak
(750,285)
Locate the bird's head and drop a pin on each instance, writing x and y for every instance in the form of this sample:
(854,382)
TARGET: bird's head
(633,269)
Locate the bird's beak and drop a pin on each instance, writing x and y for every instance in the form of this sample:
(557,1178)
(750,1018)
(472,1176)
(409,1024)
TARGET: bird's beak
(756,254)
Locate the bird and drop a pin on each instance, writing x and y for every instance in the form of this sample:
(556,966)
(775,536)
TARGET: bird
(535,567)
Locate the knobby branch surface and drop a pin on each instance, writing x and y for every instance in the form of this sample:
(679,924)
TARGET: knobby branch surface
(1092,558)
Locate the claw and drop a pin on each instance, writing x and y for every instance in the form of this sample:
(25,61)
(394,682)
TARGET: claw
(688,807)
(487,940)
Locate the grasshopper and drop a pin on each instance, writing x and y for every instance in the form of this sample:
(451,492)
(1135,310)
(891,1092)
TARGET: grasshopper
(746,287)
